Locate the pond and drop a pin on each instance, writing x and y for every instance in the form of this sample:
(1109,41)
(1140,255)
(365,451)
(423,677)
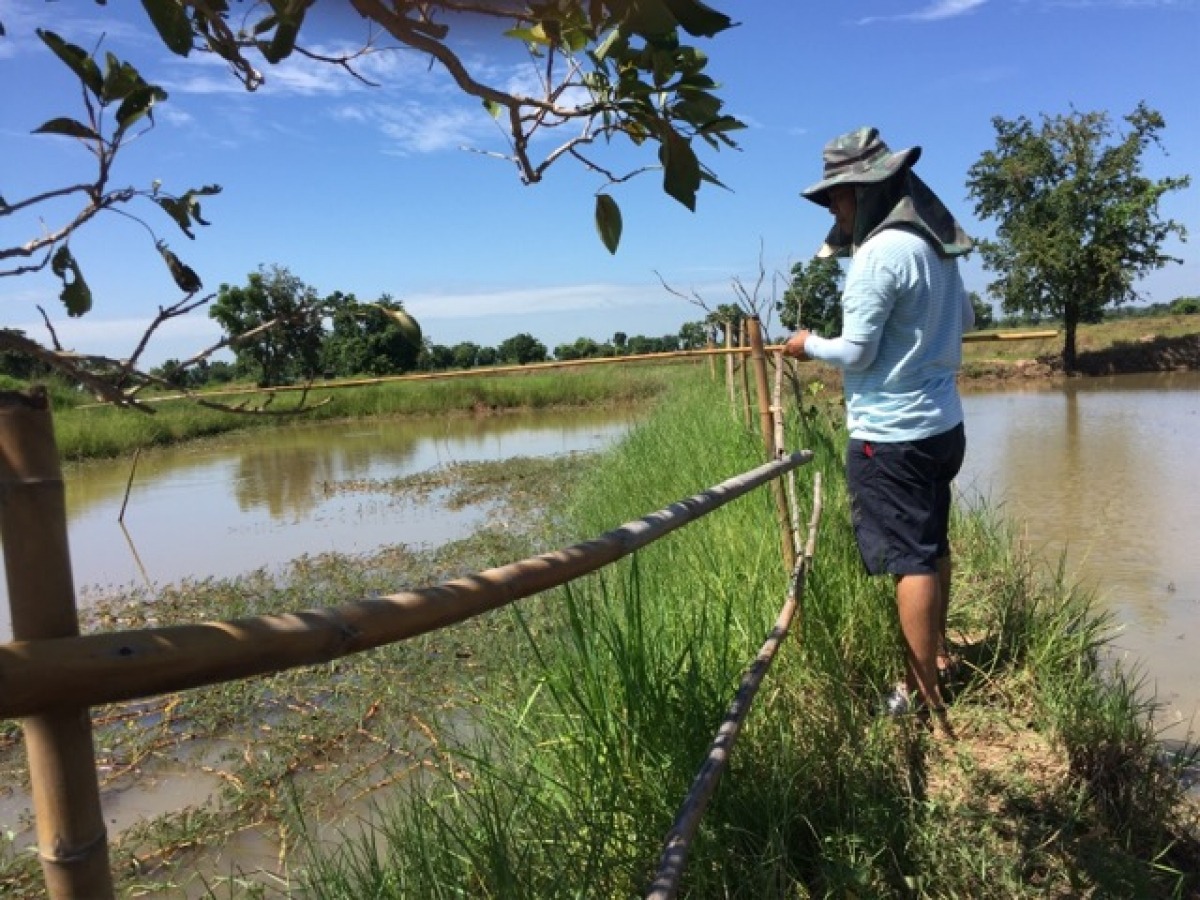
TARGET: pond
(1100,473)
(223,507)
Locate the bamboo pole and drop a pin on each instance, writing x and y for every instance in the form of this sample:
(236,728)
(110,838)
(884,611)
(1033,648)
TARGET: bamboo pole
(744,341)
(71,838)
(683,831)
(767,427)
(777,403)
(486,371)
(102,668)
(729,364)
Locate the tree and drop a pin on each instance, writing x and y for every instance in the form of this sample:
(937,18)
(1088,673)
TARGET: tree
(1078,221)
(521,349)
(465,354)
(272,297)
(435,358)
(693,336)
(813,299)
(727,320)
(603,69)
(983,310)
(367,338)
(582,348)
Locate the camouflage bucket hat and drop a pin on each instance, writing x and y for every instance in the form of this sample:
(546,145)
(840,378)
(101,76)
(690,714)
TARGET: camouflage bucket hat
(859,157)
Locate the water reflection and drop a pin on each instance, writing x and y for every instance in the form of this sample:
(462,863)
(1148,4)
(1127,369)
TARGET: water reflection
(1100,472)
(224,507)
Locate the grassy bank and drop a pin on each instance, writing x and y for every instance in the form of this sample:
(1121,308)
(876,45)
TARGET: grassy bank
(85,431)
(1054,788)
(542,751)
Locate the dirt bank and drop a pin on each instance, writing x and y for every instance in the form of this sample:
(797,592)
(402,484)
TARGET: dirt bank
(1152,353)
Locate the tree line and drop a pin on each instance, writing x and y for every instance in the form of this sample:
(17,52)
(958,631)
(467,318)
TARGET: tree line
(339,336)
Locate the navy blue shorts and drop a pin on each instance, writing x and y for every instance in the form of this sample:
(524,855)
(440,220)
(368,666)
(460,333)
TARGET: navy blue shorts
(900,500)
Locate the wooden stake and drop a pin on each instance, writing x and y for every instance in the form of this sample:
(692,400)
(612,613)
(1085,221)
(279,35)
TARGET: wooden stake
(777,403)
(729,364)
(744,341)
(72,842)
(758,359)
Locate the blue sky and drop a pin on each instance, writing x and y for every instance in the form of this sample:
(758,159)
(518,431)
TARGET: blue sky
(370,190)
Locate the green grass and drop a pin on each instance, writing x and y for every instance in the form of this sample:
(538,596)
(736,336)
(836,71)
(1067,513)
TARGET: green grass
(582,770)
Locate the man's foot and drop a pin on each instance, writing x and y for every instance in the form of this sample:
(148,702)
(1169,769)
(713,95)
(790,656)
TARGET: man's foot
(899,702)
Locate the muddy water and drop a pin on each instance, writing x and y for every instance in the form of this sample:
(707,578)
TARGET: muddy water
(233,505)
(1103,474)
(225,507)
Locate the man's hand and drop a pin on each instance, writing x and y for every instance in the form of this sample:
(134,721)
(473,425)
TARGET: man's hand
(795,345)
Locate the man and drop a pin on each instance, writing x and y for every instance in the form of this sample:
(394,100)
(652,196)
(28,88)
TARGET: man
(904,312)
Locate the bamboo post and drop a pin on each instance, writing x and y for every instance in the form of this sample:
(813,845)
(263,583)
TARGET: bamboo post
(766,425)
(744,341)
(777,402)
(729,364)
(72,842)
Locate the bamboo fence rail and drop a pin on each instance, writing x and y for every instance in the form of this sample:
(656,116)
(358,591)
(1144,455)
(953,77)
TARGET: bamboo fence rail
(679,839)
(71,672)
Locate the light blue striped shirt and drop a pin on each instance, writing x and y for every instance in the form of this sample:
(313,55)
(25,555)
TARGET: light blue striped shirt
(904,312)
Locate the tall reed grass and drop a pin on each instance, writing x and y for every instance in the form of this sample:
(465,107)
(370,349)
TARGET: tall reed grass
(575,776)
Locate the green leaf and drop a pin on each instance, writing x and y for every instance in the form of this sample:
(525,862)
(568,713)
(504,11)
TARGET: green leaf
(139,104)
(662,66)
(535,34)
(76,296)
(614,40)
(120,79)
(608,221)
(76,58)
(68,128)
(186,209)
(649,17)
(698,19)
(171,21)
(185,278)
(282,43)
(681,168)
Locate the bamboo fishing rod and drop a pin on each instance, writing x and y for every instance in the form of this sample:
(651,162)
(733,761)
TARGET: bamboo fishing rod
(486,372)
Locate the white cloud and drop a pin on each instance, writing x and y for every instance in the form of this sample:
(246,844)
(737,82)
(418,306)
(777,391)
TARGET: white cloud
(535,301)
(934,12)
(418,128)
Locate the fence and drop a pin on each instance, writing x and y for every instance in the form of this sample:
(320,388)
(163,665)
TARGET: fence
(50,674)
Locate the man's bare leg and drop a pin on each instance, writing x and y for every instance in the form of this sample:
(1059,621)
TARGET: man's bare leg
(918,600)
(944,568)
